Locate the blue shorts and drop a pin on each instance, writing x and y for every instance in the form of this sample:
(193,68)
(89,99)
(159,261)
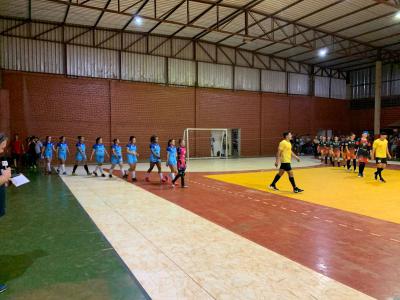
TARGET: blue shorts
(172,162)
(155,160)
(79,157)
(48,155)
(100,159)
(116,160)
(62,156)
(131,159)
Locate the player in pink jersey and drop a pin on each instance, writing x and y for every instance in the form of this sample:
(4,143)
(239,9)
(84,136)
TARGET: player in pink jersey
(181,151)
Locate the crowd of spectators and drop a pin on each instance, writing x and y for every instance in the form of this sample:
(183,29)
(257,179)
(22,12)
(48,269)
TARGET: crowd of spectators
(307,145)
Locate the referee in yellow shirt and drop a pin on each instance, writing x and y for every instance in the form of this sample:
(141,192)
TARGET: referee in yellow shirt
(380,151)
(284,157)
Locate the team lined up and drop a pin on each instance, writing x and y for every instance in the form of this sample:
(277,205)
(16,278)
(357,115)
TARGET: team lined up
(176,158)
(349,150)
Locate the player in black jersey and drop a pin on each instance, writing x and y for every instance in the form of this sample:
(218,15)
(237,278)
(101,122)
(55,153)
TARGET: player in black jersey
(324,150)
(335,149)
(351,152)
(363,153)
(330,152)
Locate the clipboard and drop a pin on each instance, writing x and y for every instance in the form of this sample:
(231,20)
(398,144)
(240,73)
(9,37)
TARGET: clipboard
(19,179)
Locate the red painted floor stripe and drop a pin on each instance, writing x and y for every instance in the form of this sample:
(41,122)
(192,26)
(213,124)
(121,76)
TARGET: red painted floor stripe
(359,251)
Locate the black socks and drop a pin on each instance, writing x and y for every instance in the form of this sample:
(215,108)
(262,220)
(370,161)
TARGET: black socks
(276,179)
(361,168)
(86,168)
(348,164)
(74,169)
(291,179)
(379,172)
(354,164)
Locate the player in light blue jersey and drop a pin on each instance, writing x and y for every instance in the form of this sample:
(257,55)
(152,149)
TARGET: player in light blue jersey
(99,151)
(47,154)
(80,156)
(155,158)
(62,152)
(132,156)
(171,159)
(116,158)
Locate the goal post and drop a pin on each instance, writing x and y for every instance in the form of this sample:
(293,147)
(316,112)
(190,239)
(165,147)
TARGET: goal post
(210,142)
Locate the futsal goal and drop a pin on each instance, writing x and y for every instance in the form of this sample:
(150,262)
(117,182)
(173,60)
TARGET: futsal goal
(204,143)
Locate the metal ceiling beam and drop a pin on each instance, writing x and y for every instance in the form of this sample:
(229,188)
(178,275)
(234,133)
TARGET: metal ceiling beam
(332,34)
(337,31)
(197,17)
(189,22)
(360,52)
(238,11)
(261,20)
(101,14)
(228,18)
(297,20)
(135,14)
(66,12)
(165,17)
(206,30)
(132,5)
(88,30)
(203,28)
(343,29)
(388,3)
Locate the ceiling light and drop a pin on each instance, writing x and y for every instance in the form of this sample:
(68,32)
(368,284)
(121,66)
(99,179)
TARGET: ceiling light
(323,52)
(138,20)
(397,15)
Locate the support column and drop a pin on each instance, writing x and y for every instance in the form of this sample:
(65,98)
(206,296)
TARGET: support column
(378,85)
(349,88)
(311,83)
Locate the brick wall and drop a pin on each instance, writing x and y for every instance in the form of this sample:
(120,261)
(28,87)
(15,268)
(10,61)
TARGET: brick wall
(56,105)
(4,112)
(363,119)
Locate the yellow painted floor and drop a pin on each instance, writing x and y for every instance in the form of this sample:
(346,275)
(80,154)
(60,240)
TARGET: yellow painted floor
(333,187)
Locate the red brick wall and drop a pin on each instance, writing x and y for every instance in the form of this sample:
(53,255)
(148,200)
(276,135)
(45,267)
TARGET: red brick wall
(142,110)
(228,109)
(390,115)
(363,119)
(53,105)
(275,120)
(4,112)
(56,105)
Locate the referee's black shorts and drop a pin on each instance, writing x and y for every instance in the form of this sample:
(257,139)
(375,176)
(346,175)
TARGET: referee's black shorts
(380,160)
(286,167)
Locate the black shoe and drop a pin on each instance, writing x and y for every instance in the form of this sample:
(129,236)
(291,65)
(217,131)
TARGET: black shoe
(382,180)
(273,187)
(88,174)
(3,288)
(110,176)
(297,190)
(95,174)
(134,179)
(376,176)
(102,175)
(125,176)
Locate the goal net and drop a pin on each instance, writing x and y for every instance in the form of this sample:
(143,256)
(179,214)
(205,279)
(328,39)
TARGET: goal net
(206,142)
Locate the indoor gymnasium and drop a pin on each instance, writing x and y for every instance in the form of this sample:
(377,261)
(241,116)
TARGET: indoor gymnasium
(199,149)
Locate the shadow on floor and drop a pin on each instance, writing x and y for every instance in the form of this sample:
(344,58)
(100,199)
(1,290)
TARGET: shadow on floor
(14,266)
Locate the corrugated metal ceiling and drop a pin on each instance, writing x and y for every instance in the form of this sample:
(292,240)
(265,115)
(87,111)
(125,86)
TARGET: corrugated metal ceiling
(231,16)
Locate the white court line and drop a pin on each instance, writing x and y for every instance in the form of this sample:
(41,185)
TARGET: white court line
(176,254)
